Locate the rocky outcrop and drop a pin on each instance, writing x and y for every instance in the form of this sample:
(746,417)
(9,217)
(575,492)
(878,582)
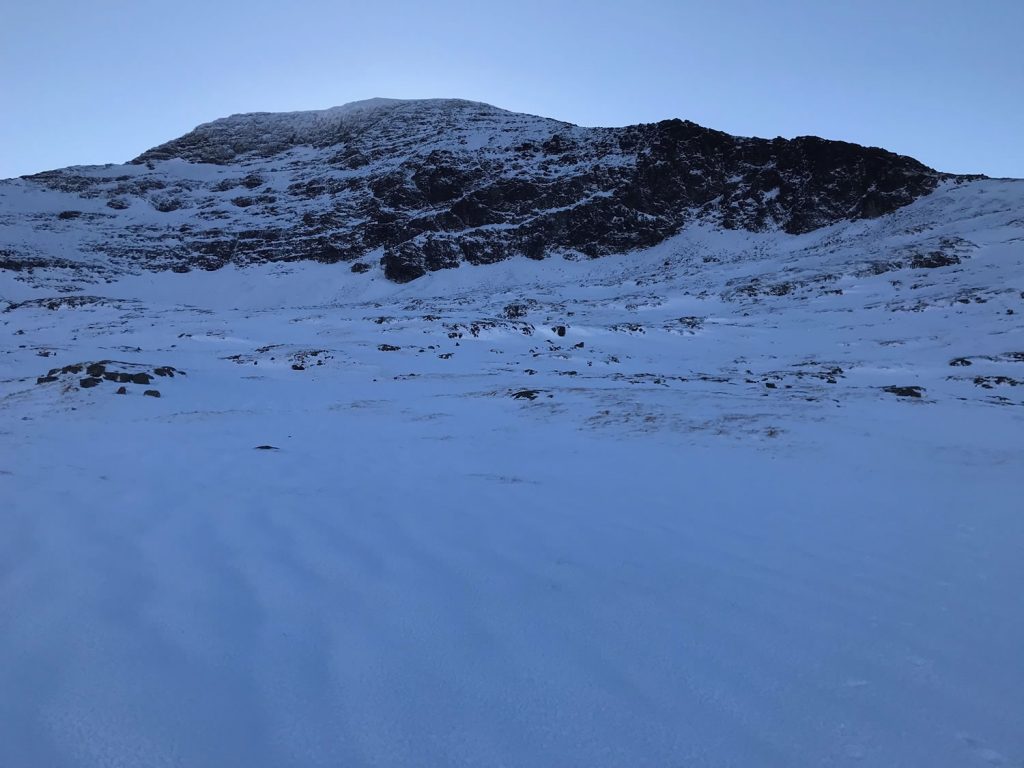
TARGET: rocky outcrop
(426,185)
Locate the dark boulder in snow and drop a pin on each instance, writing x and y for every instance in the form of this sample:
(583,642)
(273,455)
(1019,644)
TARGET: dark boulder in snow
(905,391)
(526,394)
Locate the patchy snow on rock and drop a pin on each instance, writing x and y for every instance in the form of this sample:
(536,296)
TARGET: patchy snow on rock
(432,184)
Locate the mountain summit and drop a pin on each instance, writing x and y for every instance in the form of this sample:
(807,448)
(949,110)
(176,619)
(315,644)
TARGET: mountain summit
(424,185)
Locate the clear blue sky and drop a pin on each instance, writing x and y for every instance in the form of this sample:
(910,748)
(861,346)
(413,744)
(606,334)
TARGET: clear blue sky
(941,80)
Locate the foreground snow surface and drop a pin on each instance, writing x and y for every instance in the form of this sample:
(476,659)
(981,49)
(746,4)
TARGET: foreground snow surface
(659,560)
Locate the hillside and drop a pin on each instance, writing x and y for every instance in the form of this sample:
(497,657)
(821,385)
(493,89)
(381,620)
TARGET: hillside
(745,490)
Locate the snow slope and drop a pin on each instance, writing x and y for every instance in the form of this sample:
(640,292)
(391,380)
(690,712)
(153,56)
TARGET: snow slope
(694,530)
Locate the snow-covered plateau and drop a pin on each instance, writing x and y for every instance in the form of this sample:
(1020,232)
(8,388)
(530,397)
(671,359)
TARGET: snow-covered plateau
(750,495)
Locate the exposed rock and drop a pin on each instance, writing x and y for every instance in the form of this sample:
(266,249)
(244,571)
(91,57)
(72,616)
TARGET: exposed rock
(388,348)
(122,390)
(526,394)
(403,266)
(62,302)
(104,370)
(934,260)
(987,382)
(166,203)
(152,393)
(905,391)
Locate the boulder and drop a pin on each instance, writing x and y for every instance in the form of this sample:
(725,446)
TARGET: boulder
(905,391)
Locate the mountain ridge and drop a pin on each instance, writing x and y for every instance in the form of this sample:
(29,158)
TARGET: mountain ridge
(373,103)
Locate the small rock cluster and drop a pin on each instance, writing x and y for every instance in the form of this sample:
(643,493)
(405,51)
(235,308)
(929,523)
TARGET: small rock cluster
(99,372)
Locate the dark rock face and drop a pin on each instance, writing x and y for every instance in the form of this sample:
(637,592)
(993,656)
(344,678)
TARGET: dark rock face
(428,185)
(403,267)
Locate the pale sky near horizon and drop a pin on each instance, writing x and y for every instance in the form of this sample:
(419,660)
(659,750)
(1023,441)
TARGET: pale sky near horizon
(940,80)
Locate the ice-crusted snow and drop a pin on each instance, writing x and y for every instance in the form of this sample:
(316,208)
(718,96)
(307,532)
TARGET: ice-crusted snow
(711,538)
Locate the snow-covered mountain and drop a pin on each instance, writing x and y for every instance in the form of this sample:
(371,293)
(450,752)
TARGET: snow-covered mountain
(280,488)
(425,185)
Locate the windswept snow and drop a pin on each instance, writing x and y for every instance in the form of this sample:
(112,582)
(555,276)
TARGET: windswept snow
(760,505)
